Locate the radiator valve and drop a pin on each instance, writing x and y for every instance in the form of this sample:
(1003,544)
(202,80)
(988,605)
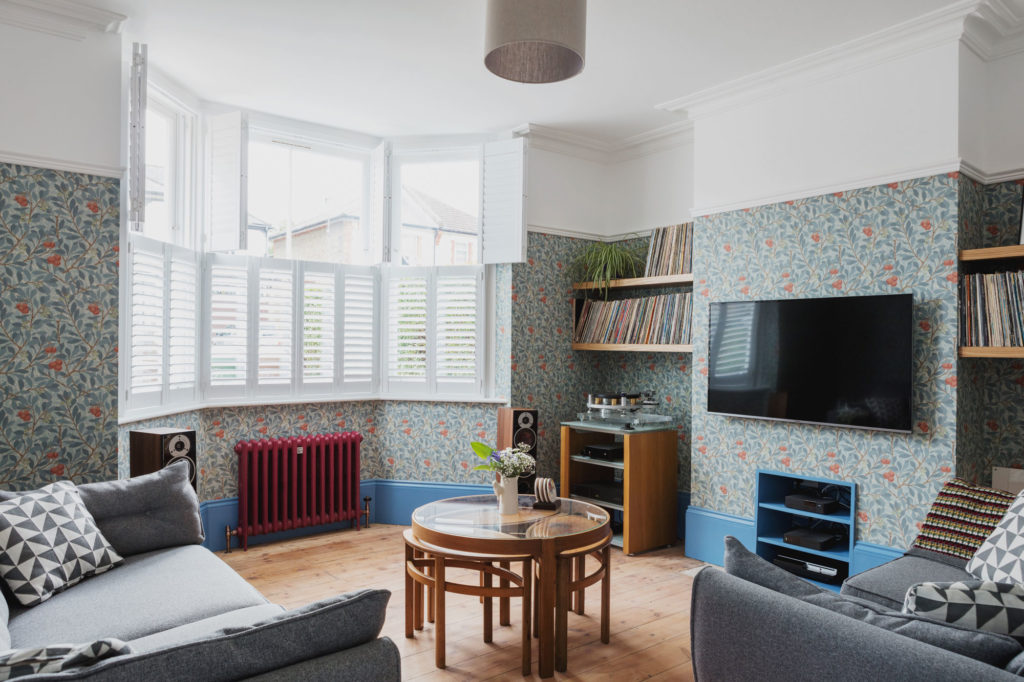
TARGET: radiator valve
(366,511)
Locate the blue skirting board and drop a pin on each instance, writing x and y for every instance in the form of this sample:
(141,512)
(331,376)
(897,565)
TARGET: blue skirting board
(393,503)
(706,528)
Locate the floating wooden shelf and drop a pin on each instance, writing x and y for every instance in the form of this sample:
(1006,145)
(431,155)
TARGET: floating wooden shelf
(992,351)
(639,282)
(993,253)
(637,347)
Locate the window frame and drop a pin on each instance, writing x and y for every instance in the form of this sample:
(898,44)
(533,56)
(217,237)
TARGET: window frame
(454,153)
(184,204)
(264,131)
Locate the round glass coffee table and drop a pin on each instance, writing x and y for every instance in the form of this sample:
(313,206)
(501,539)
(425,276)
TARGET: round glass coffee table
(473,524)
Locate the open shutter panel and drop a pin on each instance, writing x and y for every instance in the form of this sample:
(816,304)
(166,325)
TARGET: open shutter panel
(146,335)
(458,316)
(228,295)
(137,139)
(358,344)
(503,214)
(318,331)
(274,349)
(228,168)
(407,331)
(182,322)
(380,197)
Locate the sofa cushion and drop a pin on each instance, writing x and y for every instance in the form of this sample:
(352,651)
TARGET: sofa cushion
(237,653)
(961,517)
(1001,555)
(888,584)
(991,648)
(49,542)
(143,513)
(979,604)
(149,593)
(58,657)
(201,629)
(146,512)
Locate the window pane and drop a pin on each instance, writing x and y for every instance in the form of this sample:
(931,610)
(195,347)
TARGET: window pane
(305,205)
(160,131)
(440,212)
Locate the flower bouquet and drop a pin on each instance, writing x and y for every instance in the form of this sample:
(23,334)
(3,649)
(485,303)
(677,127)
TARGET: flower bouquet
(510,464)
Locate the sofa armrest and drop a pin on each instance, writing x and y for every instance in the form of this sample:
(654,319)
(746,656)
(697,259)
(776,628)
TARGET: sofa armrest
(741,631)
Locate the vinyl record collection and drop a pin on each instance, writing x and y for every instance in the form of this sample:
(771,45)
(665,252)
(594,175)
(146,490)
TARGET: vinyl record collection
(670,251)
(992,313)
(661,319)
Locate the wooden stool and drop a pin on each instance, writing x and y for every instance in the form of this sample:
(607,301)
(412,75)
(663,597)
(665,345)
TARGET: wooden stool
(426,566)
(572,582)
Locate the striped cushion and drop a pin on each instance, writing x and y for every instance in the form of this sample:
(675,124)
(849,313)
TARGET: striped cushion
(961,517)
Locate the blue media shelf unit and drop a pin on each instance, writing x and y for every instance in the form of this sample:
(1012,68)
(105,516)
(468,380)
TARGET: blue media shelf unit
(773,519)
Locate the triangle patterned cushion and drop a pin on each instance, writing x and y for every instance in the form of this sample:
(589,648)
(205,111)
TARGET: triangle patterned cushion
(49,542)
(976,604)
(1001,556)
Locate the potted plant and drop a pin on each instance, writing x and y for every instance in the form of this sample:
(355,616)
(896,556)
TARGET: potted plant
(510,464)
(602,262)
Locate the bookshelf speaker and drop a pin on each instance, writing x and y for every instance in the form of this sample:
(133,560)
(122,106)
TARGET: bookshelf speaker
(152,449)
(518,425)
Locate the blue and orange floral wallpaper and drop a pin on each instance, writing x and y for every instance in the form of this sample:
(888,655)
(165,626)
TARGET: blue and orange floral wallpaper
(58,325)
(990,403)
(895,238)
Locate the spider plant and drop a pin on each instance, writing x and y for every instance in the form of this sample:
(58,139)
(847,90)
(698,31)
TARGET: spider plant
(602,262)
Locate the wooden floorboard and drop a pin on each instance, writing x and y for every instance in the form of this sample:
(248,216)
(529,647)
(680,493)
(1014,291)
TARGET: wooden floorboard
(650,609)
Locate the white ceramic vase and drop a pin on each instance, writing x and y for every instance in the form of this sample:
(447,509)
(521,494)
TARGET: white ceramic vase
(507,491)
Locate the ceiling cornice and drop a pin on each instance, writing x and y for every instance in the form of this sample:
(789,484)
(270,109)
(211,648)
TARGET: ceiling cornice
(943,26)
(62,18)
(602,151)
(996,29)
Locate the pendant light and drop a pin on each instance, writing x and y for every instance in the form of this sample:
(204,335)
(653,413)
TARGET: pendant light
(535,41)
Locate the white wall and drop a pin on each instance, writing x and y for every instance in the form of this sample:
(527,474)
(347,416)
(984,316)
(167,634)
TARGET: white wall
(973,111)
(566,193)
(896,119)
(61,98)
(651,191)
(1004,124)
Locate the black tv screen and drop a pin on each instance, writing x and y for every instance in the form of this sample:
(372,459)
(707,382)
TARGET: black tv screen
(841,361)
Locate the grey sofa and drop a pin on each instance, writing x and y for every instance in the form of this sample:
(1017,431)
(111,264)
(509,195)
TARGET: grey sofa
(185,613)
(741,630)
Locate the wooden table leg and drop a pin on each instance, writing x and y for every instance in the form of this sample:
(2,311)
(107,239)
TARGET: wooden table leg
(410,588)
(417,595)
(504,610)
(561,614)
(488,607)
(439,580)
(430,595)
(546,611)
(606,594)
(527,609)
(581,573)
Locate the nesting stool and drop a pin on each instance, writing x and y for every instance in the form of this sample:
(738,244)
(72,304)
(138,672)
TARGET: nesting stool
(572,583)
(426,567)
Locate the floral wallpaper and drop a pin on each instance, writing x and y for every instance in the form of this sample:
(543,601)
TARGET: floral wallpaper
(58,324)
(895,238)
(990,402)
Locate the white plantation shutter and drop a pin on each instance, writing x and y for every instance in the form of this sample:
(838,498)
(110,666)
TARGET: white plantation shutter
(274,336)
(227,157)
(227,292)
(146,330)
(319,303)
(380,197)
(182,322)
(360,316)
(503,210)
(137,138)
(458,330)
(408,337)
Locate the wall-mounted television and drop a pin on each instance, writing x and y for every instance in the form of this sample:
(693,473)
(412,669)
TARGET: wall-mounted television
(845,361)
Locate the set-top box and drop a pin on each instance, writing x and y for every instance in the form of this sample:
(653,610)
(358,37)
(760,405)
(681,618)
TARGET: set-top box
(811,503)
(610,451)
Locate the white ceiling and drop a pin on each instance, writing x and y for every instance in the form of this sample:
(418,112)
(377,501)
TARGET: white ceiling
(415,67)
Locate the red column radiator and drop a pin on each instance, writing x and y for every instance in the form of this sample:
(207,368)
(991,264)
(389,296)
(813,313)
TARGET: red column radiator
(286,483)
